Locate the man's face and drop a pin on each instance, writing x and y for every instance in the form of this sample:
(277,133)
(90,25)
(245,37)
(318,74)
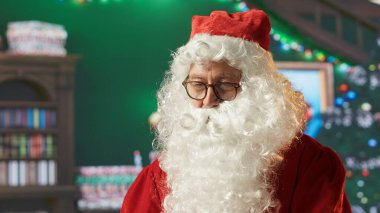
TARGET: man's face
(225,79)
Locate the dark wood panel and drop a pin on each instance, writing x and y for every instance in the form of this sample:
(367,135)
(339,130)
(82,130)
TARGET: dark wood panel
(37,192)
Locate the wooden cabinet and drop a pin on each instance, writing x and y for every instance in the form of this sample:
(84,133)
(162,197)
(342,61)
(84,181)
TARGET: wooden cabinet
(36,104)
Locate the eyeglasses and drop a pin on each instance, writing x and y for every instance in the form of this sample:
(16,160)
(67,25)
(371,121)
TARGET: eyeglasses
(223,91)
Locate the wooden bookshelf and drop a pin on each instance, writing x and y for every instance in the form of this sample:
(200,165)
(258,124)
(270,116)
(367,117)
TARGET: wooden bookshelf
(28,131)
(37,192)
(24,104)
(49,199)
(46,83)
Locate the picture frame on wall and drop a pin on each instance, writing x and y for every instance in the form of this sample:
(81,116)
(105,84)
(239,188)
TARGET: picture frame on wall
(316,81)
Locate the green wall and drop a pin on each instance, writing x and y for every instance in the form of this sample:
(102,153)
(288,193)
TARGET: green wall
(125,47)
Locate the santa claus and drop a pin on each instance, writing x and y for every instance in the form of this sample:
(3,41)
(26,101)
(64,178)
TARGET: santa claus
(230,133)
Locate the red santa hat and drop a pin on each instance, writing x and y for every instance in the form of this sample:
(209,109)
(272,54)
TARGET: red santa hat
(252,25)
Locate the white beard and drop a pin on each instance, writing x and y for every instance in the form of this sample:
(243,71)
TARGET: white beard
(218,160)
(215,162)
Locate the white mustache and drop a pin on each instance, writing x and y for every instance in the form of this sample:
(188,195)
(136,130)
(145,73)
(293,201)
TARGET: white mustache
(203,120)
(215,122)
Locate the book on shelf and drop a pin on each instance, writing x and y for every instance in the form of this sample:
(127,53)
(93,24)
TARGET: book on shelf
(12,173)
(3,174)
(30,118)
(27,146)
(27,159)
(15,173)
(22,173)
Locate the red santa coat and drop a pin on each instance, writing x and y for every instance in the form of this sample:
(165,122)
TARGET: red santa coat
(310,180)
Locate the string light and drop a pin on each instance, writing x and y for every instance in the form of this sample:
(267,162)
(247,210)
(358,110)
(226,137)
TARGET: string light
(294,45)
(285,46)
(276,37)
(317,55)
(320,56)
(354,163)
(82,2)
(339,101)
(359,194)
(343,88)
(242,6)
(349,174)
(331,59)
(365,172)
(351,95)
(366,107)
(372,67)
(364,200)
(343,67)
(372,143)
(360,183)
(308,54)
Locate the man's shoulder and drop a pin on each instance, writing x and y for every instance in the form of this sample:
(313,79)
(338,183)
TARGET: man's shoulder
(154,168)
(308,150)
(307,141)
(309,144)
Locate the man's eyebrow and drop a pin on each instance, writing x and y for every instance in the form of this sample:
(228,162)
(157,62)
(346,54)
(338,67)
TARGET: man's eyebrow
(192,76)
(230,76)
(233,75)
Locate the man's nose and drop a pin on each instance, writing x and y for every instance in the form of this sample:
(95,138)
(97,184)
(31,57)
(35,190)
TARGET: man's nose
(211,100)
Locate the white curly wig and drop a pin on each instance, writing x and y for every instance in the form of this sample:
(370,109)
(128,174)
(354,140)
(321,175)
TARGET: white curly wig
(220,159)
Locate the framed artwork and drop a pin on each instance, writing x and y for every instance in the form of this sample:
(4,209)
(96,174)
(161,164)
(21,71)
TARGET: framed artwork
(316,82)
